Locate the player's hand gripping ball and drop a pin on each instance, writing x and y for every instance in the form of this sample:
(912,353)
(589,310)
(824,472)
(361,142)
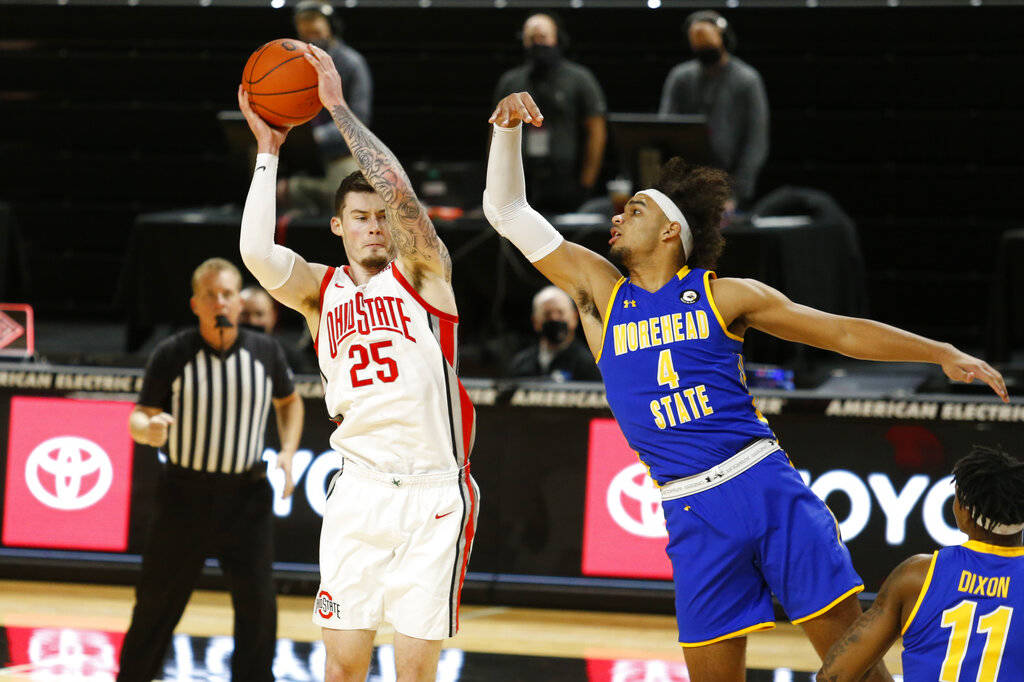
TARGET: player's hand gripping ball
(282,85)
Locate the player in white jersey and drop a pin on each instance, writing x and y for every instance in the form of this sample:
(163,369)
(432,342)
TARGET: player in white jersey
(401,515)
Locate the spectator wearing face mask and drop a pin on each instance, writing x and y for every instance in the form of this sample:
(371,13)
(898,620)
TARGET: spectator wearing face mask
(259,313)
(557,354)
(730,93)
(563,156)
(315,23)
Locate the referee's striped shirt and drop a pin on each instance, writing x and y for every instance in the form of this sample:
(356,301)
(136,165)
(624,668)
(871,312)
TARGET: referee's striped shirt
(220,402)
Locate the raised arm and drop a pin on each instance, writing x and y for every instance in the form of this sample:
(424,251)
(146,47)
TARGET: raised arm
(878,628)
(282,272)
(748,303)
(412,233)
(581,273)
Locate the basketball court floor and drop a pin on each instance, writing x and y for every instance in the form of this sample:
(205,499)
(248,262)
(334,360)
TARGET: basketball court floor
(58,632)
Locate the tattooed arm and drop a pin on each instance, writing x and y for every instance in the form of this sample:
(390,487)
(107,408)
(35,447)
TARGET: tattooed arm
(412,233)
(867,640)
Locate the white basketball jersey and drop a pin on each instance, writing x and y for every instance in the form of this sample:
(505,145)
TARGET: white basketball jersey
(387,359)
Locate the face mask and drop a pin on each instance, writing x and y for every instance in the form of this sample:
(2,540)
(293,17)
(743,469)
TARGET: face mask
(554,331)
(708,56)
(543,56)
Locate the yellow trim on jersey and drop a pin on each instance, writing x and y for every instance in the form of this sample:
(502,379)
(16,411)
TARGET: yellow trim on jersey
(683,271)
(718,315)
(607,316)
(844,595)
(648,467)
(998,550)
(760,626)
(920,597)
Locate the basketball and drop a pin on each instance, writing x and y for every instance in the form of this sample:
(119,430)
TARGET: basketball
(281,83)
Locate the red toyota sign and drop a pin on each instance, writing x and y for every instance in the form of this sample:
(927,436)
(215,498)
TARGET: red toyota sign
(636,670)
(57,653)
(623,526)
(69,473)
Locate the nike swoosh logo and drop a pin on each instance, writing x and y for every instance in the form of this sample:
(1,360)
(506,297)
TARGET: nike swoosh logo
(441,516)
(340,286)
(261,168)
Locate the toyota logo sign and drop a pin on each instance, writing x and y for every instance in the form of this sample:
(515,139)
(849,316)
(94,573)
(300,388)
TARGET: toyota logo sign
(68,474)
(624,525)
(80,470)
(635,484)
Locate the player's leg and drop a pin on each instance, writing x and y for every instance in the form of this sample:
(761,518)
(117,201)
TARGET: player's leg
(357,542)
(720,595)
(724,661)
(416,659)
(804,560)
(246,555)
(171,563)
(824,630)
(348,654)
(427,572)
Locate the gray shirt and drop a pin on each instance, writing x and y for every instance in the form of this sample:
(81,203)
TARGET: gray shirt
(358,87)
(567,95)
(733,99)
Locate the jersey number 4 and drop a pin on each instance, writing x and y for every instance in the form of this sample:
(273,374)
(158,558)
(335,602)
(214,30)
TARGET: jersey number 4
(994,625)
(388,371)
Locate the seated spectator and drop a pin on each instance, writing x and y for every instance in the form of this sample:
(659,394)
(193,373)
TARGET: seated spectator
(259,312)
(730,93)
(557,354)
(563,157)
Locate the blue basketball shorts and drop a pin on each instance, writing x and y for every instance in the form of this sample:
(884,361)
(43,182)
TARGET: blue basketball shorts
(735,545)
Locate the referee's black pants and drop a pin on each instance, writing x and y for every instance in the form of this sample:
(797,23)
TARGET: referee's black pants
(228,516)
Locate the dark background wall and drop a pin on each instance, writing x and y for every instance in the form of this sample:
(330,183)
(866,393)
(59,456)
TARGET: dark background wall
(909,117)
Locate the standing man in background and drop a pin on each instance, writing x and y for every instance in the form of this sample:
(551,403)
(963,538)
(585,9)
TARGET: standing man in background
(315,23)
(205,399)
(563,157)
(730,93)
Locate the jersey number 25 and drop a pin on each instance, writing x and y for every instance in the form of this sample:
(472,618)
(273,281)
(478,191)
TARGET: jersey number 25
(388,371)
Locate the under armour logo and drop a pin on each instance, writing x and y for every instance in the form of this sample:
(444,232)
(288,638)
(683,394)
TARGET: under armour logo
(629,304)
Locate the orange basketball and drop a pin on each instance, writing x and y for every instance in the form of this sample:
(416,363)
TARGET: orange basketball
(281,83)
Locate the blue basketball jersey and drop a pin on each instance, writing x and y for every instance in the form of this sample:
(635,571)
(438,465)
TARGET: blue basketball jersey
(674,377)
(968,623)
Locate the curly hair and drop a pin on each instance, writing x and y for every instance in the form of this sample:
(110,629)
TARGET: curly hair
(353,182)
(990,483)
(700,193)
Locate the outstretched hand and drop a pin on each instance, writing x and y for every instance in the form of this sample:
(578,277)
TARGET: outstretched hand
(519,106)
(964,368)
(268,138)
(329,81)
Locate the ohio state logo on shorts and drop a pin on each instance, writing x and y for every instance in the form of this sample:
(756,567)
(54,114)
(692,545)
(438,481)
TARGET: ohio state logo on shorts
(326,607)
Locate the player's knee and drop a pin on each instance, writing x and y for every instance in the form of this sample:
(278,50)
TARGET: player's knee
(425,671)
(340,669)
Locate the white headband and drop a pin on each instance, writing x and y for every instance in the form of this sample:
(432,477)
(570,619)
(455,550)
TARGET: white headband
(672,212)
(999,528)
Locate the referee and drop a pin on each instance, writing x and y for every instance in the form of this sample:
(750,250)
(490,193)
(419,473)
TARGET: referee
(205,400)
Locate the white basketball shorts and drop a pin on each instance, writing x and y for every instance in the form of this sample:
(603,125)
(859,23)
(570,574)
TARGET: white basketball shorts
(394,549)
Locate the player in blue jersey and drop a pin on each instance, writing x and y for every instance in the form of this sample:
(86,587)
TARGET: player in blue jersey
(668,339)
(960,610)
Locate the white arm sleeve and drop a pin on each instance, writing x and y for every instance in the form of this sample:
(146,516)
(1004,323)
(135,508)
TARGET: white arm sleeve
(505,198)
(270,263)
